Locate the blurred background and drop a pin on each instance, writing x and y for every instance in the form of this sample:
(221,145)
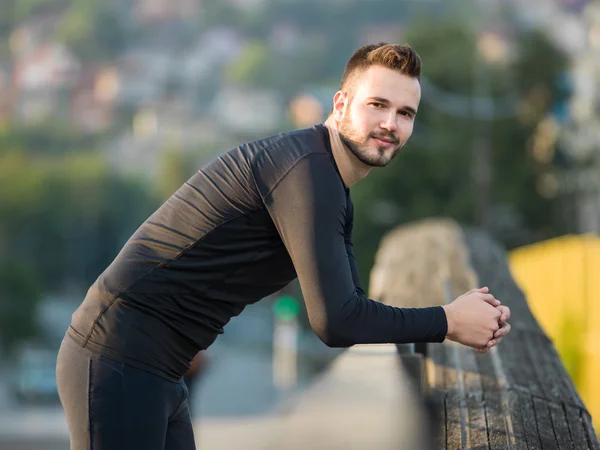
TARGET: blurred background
(107,107)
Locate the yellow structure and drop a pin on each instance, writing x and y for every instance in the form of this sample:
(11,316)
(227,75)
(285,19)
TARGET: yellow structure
(561,279)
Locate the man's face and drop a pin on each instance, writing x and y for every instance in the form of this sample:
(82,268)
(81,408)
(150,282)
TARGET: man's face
(376,118)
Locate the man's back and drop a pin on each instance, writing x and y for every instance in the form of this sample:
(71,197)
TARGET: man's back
(207,252)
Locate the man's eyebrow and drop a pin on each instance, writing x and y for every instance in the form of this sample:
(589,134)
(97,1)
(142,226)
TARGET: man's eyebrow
(380,100)
(385,101)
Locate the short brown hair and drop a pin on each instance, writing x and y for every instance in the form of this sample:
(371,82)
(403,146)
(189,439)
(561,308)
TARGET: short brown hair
(393,56)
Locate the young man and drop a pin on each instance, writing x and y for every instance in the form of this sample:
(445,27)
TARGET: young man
(240,229)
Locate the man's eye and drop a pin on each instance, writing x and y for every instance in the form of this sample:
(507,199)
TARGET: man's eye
(377,105)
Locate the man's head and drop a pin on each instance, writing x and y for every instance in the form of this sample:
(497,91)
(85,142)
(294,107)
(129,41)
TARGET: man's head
(377,101)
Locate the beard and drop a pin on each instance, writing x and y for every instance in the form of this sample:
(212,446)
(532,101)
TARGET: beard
(360,148)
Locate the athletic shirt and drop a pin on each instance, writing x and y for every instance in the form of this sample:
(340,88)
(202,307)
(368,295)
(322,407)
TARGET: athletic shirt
(240,229)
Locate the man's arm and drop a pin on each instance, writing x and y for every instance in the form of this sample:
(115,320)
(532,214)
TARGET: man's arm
(350,249)
(308,208)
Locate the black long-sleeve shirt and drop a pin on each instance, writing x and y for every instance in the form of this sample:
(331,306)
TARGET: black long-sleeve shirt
(242,228)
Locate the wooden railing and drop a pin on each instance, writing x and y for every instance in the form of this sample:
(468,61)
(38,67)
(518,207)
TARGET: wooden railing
(443,396)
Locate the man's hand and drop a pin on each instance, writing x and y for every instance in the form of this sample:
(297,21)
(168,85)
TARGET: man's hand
(502,331)
(474,319)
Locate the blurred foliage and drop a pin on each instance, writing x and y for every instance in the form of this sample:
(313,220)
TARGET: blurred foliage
(65,215)
(93,30)
(56,211)
(175,168)
(252,67)
(47,138)
(15,11)
(17,321)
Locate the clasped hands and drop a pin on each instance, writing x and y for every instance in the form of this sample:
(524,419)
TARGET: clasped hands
(477,319)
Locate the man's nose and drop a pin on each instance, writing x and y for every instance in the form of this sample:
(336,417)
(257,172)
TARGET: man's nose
(389,123)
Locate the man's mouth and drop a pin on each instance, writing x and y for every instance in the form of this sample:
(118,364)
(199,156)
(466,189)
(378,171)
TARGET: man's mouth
(385,141)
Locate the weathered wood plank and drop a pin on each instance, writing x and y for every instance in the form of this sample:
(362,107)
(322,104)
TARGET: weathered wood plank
(517,364)
(550,364)
(500,436)
(455,427)
(471,378)
(491,381)
(576,428)
(561,427)
(537,355)
(477,431)
(549,373)
(456,408)
(525,404)
(488,260)
(544,424)
(520,407)
(472,390)
(589,431)
(500,420)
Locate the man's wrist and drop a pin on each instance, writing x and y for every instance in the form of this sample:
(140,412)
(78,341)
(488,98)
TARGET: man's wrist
(448,311)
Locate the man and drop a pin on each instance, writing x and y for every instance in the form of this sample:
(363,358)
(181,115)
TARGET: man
(240,229)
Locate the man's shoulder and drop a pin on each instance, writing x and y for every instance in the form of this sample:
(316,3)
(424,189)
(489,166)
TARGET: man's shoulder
(280,150)
(300,142)
(275,156)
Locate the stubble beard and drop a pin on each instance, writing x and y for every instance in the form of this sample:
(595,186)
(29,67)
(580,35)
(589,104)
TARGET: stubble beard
(360,149)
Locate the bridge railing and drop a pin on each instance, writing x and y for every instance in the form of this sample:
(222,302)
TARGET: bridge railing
(443,396)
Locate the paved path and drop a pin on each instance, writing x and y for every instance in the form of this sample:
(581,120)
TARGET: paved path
(33,444)
(46,430)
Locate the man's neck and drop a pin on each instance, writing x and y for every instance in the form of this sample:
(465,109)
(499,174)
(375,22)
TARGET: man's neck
(350,167)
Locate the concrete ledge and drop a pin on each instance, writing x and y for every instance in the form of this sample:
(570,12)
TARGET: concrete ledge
(365,400)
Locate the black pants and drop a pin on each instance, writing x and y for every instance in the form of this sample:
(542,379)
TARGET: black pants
(113,406)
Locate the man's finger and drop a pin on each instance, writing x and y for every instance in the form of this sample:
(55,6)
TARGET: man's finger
(503,330)
(484,290)
(483,351)
(505,313)
(494,342)
(489,298)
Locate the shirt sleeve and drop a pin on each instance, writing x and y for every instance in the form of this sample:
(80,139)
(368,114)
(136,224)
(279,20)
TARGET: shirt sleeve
(308,208)
(350,248)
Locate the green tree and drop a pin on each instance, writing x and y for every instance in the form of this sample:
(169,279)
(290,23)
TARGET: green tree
(93,30)
(19,295)
(174,171)
(48,138)
(252,67)
(66,217)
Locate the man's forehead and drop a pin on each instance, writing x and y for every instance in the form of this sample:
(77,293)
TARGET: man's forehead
(387,83)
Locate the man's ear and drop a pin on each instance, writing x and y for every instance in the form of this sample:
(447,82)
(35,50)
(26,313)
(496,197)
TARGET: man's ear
(339,105)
